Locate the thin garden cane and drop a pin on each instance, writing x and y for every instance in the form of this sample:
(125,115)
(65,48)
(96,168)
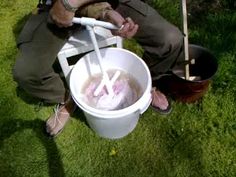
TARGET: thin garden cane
(185,31)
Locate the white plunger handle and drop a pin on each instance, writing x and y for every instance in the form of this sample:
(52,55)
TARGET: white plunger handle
(93,22)
(99,57)
(185,31)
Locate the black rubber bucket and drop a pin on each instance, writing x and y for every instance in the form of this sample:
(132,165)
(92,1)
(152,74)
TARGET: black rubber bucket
(189,91)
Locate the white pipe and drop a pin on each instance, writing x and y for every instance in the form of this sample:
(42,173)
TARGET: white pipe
(102,83)
(99,57)
(90,23)
(93,22)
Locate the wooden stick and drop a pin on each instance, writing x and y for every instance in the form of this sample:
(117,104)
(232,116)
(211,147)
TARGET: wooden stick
(185,31)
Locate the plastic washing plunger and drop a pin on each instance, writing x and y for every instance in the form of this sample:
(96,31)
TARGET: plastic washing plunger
(111,100)
(90,23)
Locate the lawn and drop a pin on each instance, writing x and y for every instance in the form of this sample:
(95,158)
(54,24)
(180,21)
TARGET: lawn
(197,139)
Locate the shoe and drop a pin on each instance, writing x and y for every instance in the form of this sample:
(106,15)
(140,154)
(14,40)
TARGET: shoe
(160,103)
(61,116)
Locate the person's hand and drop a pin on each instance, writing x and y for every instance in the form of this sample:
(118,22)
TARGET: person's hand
(127,26)
(60,16)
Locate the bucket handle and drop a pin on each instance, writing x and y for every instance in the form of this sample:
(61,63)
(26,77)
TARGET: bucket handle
(148,99)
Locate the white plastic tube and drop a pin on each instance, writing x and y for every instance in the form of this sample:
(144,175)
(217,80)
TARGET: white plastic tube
(90,23)
(106,79)
(93,22)
(102,83)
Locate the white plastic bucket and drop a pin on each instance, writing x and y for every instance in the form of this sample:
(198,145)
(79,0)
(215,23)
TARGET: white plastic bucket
(118,123)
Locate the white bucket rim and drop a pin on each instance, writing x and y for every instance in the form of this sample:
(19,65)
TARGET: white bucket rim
(121,112)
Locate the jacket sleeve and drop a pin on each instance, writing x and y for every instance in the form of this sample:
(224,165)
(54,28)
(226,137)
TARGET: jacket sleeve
(93,10)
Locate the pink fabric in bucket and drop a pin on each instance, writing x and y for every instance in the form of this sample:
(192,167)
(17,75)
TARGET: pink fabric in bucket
(123,97)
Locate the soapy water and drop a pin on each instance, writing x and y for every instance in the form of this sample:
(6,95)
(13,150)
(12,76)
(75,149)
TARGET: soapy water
(126,92)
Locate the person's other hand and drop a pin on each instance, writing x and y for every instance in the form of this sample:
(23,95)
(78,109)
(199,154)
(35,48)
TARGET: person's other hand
(60,16)
(129,28)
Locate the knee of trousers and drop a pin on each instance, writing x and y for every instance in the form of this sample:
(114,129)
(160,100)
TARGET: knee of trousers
(48,88)
(172,40)
(26,76)
(163,45)
(162,55)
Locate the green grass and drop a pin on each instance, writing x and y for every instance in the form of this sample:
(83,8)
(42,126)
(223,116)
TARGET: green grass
(194,140)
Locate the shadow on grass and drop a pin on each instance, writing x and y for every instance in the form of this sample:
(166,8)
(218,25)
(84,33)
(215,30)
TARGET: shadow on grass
(12,126)
(28,98)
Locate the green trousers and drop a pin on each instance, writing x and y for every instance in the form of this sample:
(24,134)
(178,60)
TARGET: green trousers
(40,42)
